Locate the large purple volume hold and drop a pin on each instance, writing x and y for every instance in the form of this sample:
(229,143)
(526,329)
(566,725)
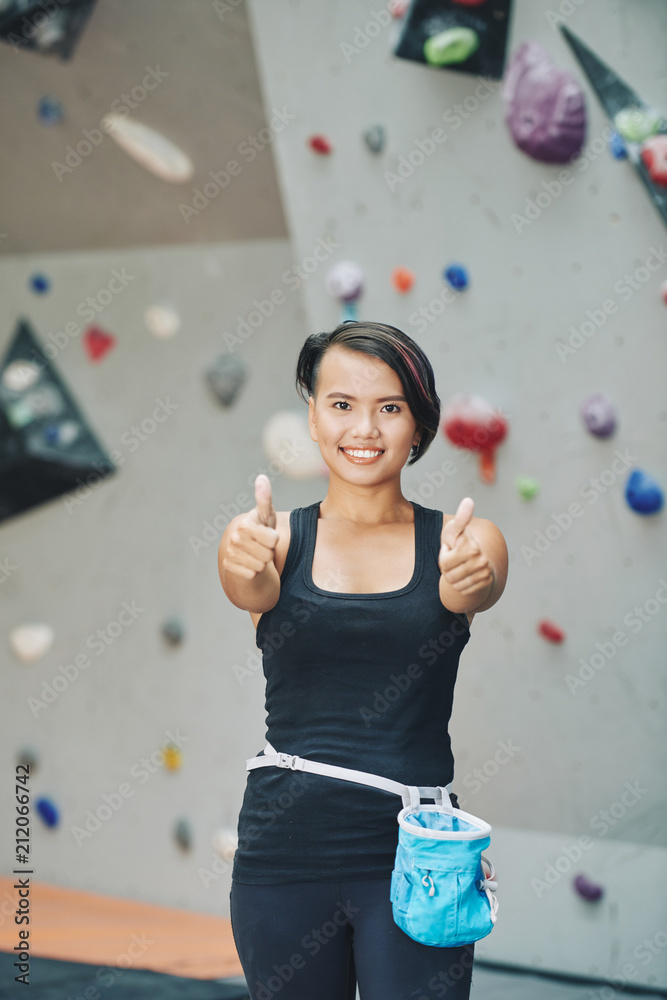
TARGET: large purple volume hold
(545,109)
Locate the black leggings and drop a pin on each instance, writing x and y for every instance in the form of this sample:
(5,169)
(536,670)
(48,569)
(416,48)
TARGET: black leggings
(316,940)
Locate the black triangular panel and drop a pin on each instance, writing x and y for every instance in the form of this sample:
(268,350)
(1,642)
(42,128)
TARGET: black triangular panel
(46,447)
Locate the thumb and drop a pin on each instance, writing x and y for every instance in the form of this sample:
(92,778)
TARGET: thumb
(457,524)
(263,500)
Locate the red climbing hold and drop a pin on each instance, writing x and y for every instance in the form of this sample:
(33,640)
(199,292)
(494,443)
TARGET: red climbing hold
(551,632)
(470,422)
(320,144)
(98,342)
(654,155)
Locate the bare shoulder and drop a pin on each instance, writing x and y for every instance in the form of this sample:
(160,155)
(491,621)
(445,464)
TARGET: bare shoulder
(284,533)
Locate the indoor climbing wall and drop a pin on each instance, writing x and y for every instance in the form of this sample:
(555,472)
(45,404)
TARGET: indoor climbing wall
(489,188)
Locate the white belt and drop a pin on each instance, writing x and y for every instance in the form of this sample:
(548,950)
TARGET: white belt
(411,794)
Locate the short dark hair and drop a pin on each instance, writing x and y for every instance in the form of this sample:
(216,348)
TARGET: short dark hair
(396,349)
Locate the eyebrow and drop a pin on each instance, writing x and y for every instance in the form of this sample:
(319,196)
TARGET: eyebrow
(382,399)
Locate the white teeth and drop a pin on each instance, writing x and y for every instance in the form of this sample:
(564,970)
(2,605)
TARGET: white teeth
(362,454)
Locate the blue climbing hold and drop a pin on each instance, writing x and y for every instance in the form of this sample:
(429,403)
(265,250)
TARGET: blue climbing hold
(617,146)
(48,811)
(642,493)
(50,111)
(349,311)
(457,276)
(40,283)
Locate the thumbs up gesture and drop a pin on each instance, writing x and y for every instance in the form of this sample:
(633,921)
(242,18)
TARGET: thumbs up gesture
(253,537)
(462,563)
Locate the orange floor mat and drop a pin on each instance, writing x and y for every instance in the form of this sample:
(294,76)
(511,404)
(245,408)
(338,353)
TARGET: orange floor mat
(88,927)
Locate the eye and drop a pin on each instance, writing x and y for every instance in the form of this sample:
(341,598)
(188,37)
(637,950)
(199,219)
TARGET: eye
(341,401)
(395,405)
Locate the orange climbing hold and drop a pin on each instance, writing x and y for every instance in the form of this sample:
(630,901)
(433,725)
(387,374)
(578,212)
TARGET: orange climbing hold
(402,279)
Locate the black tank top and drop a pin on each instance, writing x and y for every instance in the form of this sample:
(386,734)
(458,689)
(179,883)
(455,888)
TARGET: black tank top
(359,680)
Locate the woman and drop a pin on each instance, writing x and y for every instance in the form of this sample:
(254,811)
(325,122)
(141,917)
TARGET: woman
(362,604)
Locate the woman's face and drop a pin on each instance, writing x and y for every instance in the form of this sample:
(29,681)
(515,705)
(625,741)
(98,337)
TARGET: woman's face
(361,407)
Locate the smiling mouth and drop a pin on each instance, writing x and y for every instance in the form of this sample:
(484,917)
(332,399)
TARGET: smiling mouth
(363,453)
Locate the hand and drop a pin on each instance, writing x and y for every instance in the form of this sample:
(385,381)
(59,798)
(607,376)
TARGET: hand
(462,563)
(252,541)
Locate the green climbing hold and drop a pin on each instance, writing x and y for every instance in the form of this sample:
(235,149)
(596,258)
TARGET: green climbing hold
(527,488)
(451,46)
(637,124)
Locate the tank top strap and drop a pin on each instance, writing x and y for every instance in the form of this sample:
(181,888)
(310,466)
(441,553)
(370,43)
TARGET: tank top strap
(296,552)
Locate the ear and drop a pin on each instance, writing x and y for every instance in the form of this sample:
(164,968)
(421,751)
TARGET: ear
(311,418)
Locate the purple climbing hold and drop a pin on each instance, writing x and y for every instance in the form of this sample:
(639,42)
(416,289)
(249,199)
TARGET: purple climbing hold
(617,146)
(643,494)
(598,413)
(48,811)
(457,276)
(588,890)
(544,106)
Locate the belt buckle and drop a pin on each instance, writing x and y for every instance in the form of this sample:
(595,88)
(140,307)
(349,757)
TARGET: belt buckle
(285,760)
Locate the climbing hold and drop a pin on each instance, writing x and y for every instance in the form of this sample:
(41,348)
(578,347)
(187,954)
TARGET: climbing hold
(587,890)
(48,811)
(663,292)
(375,138)
(98,343)
(225,841)
(402,279)
(544,106)
(349,312)
(162,320)
(457,276)
(50,111)
(173,757)
(62,434)
(287,433)
(173,631)
(20,375)
(636,124)
(526,487)
(654,156)
(149,148)
(470,422)
(183,834)
(320,144)
(598,413)
(225,376)
(28,758)
(550,631)
(40,284)
(31,642)
(454,45)
(398,8)
(345,281)
(642,493)
(617,147)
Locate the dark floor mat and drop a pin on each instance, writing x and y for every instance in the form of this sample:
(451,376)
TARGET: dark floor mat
(51,979)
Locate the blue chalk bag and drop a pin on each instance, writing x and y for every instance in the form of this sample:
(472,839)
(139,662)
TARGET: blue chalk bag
(442,886)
